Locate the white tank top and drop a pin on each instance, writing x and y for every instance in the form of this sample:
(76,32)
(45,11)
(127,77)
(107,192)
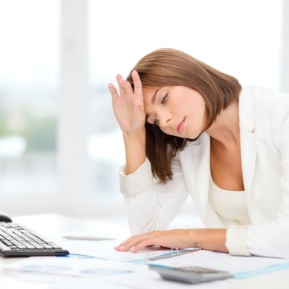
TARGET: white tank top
(230,205)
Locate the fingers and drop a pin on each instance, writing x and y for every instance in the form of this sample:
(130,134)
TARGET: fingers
(126,245)
(119,80)
(142,244)
(124,86)
(134,246)
(138,242)
(113,91)
(129,243)
(137,83)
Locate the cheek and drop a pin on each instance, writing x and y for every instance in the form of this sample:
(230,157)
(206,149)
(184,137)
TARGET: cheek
(200,106)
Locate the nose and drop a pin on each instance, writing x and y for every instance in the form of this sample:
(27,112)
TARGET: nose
(163,119)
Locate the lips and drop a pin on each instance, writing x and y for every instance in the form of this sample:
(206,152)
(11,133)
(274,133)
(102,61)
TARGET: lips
(180,127)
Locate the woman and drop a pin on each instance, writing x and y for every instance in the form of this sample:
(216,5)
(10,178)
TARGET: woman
(190,130)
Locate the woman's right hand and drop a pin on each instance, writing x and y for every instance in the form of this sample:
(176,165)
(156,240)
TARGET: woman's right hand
(128,104)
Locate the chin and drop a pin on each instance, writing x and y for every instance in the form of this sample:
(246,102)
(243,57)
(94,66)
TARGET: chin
(193,138)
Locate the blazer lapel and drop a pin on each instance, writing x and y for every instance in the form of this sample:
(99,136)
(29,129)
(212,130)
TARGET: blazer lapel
(195,160)
(247,139)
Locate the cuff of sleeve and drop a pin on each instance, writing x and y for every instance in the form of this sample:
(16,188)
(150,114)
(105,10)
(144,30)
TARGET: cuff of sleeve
(236,237)
(137,182)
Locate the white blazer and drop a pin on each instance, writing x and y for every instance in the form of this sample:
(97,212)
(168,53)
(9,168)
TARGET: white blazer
(264,129)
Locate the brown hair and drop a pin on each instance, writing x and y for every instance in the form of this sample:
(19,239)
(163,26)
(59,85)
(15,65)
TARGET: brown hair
(171,67)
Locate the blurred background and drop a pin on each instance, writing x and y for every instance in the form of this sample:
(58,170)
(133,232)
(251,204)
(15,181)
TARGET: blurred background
(60,146)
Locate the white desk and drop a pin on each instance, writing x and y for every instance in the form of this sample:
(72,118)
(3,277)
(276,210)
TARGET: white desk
(55,226)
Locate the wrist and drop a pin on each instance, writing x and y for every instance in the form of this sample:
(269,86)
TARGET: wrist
(193,238)
(209,239)
(135,135)
(135,150)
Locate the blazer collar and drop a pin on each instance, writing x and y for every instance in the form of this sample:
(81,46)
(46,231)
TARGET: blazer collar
(246,110)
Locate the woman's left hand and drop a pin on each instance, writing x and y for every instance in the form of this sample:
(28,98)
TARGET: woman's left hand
(176,239)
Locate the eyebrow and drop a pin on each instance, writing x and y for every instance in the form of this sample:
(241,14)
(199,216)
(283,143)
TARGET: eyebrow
(154,96)
(153,102)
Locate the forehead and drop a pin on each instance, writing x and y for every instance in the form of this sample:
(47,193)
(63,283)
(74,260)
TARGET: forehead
(149,91)
(148,94)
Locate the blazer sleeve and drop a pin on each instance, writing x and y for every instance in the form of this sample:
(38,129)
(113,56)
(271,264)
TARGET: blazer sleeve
(150,205)
(267,239)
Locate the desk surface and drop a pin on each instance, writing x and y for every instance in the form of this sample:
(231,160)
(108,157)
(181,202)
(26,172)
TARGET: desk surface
(55,226)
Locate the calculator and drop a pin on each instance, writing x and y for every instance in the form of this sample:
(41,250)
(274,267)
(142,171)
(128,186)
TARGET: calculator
(191,274)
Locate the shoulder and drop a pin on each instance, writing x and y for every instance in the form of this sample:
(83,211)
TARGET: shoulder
(260,106)
(262,97)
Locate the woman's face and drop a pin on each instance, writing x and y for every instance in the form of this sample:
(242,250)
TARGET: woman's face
(177,110)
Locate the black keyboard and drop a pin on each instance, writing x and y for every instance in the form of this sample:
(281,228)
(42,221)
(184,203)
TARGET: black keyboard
(19,241)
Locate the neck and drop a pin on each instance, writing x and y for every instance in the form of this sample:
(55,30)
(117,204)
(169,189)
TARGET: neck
(225,129)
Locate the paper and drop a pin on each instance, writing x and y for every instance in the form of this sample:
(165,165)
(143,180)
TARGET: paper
(79,271)
(36,280)
(75,265)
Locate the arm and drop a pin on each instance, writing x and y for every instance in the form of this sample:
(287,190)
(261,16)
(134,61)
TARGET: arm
(152,206)
(129,112)
(272,238)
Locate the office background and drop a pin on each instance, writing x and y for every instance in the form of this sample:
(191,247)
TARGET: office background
(60,146)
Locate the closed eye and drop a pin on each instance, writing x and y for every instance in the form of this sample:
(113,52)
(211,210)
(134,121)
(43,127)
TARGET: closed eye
(165,98)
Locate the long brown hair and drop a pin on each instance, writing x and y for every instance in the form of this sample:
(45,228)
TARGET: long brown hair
(171,67)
